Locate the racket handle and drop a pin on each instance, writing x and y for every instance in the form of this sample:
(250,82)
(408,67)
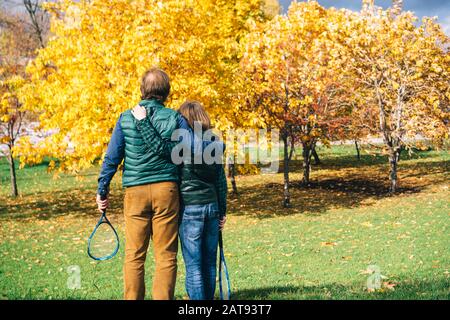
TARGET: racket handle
(103,197)
(220,239)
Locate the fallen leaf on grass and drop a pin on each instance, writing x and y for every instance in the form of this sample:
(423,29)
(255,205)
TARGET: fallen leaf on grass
(288,254)
(389,285)
(367,224)
(347,258)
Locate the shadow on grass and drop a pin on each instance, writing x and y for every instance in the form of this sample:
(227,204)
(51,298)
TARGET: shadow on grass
(347,186)
(336,161)
(46,205)
(407,290)
(347,189)
(413,289)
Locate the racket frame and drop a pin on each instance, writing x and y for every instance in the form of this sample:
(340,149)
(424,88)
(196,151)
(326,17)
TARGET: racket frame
(103,219)
(223,265)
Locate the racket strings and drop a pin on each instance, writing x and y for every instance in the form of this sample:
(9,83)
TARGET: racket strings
(103,242)
(224,283)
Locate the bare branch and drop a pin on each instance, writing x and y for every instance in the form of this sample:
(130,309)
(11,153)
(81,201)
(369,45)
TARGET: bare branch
(37,17)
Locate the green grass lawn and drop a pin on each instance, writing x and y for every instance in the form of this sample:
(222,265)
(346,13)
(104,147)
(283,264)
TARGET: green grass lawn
(318,249)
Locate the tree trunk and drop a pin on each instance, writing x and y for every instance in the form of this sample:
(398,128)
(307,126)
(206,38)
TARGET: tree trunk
(292,151)
(358,152)
(306,163)
(12,172)
(394,157)
(258,163)
(287,196)
(232,176)
(316,156)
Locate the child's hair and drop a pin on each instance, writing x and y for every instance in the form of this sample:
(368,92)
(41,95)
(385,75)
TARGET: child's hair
(193,111)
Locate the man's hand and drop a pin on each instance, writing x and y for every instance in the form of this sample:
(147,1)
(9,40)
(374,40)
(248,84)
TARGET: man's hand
(102,204)
(222,222)
(139,112)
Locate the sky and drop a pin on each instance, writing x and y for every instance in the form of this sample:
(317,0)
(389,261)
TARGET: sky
(429,8)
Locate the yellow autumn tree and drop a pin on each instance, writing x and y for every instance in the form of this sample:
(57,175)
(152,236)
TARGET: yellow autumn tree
(88,73)
(18,43)
(399,75)
(294,81)
(11,121)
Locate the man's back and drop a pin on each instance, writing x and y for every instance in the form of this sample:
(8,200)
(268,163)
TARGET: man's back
(141,166)
(151,203)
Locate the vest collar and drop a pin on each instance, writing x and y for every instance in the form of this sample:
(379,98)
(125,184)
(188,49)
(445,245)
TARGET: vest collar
(151,104)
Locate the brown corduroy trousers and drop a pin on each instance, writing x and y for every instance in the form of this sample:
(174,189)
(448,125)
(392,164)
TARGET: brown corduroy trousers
(151,211)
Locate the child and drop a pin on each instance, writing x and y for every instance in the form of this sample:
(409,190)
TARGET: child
(203,192)
(203,189)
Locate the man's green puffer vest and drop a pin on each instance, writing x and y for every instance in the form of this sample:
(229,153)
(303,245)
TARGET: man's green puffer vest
(140,165)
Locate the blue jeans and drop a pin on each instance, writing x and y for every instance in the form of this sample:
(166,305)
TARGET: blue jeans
(199,235)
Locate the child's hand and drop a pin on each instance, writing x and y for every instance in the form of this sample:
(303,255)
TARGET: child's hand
(139,112)
(222,222)
(102,204)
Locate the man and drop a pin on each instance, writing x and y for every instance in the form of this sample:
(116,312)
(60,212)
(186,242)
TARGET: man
(151,189)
